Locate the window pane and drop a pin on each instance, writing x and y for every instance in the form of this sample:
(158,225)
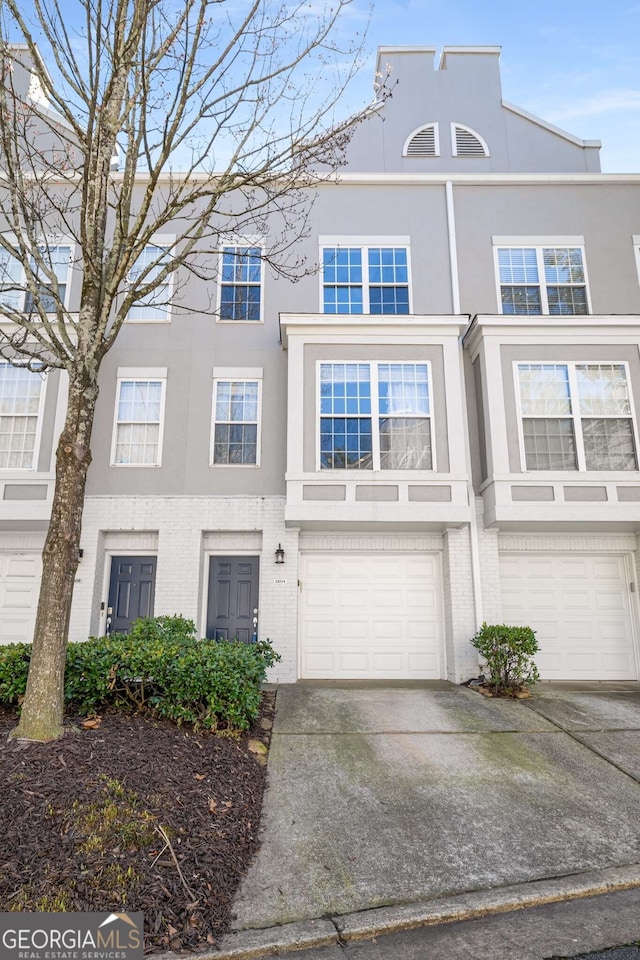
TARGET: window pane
(345,388)
(137,444)
(567,301)
(140,401)
(405,444)
(389,300)
(521,300)
(608,444)
(343,299)
(235,443)
(403,388)
(549,444)
(544,389)
(518,265)
(345,442)
(563,265)
(602,389)
(240,302)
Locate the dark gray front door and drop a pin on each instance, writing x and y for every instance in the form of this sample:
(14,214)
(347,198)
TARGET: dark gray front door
(233,598)
(131,591)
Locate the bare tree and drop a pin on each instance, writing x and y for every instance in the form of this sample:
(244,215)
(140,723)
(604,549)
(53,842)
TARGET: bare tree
(238,95)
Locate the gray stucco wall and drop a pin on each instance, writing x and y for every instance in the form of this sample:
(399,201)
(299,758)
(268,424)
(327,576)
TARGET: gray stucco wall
(465,89)
(606,215)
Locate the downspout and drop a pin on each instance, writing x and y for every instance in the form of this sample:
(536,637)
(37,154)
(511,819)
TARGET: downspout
(455,300)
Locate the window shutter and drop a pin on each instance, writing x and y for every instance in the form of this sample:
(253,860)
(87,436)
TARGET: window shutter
(423,143)
(468,143)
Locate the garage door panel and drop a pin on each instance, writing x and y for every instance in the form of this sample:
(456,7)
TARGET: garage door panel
(382,621)
(608,568)
(19,590)
(609,602)
(590,632)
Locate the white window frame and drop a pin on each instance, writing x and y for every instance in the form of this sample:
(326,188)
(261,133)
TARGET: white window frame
(21,280)
(375,422)
(140,374)
(162,242)
(575,416)
(539,244)
(365,244)
(21,471)
(235,241)
(236,375)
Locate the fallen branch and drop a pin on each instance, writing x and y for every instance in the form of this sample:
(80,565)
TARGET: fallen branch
(164,836)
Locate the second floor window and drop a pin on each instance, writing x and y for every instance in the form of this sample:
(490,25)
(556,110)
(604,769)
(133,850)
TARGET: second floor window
(51,270)
(155,307)
(20,400)
(576,416)
(138,426)
(372,280)
(240,284)
(542,280)
(375,416)
(236,422)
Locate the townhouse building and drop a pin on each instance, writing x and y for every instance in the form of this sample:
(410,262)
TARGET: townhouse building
(437,427)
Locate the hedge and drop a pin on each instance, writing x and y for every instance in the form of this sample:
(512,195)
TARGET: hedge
(160,666)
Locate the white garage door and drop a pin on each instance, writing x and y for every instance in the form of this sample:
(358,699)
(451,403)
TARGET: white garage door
(370,615)
(19,589)
(579,607)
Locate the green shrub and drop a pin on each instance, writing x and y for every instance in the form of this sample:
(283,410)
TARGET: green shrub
(14,667)
(161,666)
(508,654)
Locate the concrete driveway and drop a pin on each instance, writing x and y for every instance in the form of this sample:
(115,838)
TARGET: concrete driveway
(388,794)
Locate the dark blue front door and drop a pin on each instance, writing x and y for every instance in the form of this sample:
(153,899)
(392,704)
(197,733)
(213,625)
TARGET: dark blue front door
(131,591)
(233,598)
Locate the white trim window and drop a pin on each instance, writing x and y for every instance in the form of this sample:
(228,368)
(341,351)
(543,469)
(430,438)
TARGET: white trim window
(13,285)
(576,416)
(155,306)
(236,422)
(241,284)
(375,416)
(137,434)
(366,279)
(542,280)
(21,396)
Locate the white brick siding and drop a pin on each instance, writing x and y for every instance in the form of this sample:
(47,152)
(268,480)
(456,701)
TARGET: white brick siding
(186,530)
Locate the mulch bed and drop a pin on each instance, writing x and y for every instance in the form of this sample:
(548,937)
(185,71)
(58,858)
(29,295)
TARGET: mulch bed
(136,815)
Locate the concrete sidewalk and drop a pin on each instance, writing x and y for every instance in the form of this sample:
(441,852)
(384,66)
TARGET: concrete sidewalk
(393,799)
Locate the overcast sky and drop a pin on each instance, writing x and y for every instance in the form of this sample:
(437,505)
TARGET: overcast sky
(576,65)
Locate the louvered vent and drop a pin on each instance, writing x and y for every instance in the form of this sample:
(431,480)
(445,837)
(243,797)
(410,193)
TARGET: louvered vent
(423,143)
(468,143)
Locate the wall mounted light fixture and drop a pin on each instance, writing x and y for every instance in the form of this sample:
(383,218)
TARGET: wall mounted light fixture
(279,554)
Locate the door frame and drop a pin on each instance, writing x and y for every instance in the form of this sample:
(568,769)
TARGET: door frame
(207,555)
(109,554)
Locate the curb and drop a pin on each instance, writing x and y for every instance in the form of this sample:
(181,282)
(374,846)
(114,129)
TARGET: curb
(247,944)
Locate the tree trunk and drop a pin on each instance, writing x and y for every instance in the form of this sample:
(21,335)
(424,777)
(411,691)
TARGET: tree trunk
(42,711)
